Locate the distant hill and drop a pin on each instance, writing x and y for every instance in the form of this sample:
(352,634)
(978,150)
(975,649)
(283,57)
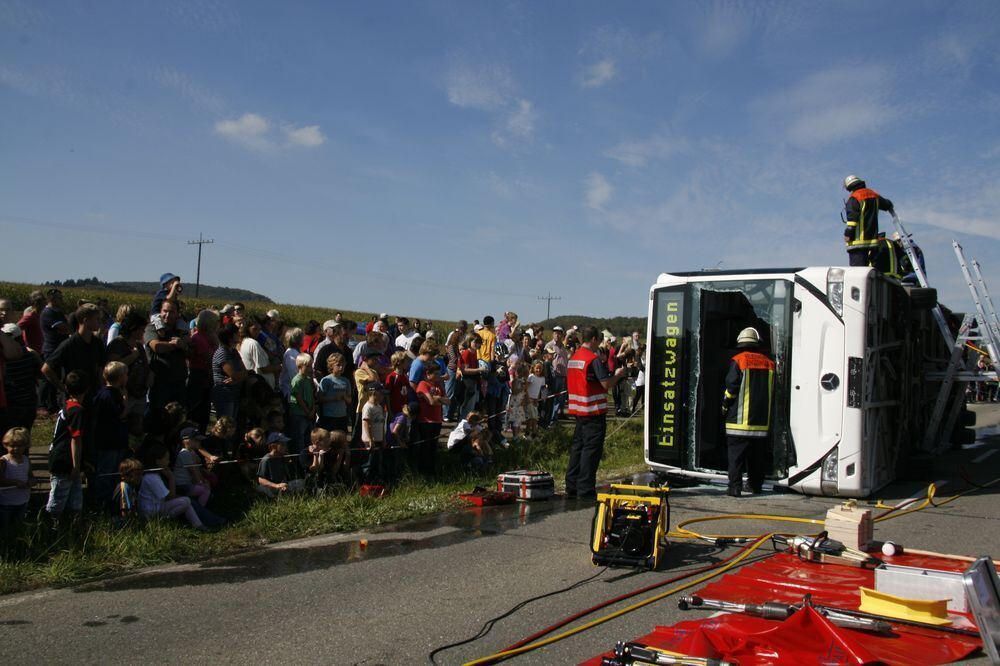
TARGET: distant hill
(205,291)
(617,325)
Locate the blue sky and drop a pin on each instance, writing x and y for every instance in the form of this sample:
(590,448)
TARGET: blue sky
(457,159)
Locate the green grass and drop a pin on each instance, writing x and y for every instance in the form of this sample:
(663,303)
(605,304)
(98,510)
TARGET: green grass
(38,558)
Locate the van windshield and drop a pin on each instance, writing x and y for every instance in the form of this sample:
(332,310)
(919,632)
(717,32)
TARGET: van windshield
(695,326)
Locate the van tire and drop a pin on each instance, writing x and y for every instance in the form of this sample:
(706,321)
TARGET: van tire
(963,436)
(966,417)
(922,298)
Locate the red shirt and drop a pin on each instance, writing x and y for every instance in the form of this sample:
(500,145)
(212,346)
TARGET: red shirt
(309,343)
(203,349)
(399,391)
(430,413)
(31,330)
(469,359)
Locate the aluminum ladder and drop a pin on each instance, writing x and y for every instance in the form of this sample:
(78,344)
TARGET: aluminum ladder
(986,315)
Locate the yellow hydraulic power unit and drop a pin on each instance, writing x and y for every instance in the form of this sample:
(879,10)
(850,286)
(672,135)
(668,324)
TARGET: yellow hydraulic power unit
(630,526)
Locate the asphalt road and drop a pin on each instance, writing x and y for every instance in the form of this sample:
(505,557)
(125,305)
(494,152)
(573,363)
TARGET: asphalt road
(421,585)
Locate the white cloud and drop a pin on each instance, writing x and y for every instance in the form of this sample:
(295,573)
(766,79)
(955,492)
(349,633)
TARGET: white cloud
(598,191)
(639,153)
(816,112)
(249,129)
(309,136)
(599,74)
(257,133)
(484,88)
(519,123)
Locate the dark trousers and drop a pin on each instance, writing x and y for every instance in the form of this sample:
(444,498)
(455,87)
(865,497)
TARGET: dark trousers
(585,456)
(199,397)
(746,453)
(426,447)
(860,257)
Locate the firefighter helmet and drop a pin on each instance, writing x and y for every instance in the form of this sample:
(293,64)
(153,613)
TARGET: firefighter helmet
(851,181)
(748,337)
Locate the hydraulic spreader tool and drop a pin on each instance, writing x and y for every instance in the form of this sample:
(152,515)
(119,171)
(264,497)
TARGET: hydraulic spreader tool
(630,526)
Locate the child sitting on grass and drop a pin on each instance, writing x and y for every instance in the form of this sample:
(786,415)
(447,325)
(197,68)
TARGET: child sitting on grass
(218,442)
(250,451)
(15,478)
(321,460)
(272,473)
(188,473)
(470,441)
(126,496)
(157,494)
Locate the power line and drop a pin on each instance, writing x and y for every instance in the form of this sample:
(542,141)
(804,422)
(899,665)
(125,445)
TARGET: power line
(548,304)
(201,241)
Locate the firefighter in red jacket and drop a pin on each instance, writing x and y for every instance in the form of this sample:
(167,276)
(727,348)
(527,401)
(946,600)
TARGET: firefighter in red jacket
(747,407)
(588,381)
(861,211)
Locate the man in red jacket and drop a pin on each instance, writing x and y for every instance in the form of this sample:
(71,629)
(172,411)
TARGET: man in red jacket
(588,381)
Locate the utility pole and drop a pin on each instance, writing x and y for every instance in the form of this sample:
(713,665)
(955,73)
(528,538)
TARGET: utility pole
(201,241)
(548,305)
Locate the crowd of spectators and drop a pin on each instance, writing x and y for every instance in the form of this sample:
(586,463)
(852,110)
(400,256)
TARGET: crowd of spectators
(157,409)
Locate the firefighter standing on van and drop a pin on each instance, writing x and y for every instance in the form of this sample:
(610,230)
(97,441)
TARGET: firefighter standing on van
(747,407)
(588,382)
(861,212)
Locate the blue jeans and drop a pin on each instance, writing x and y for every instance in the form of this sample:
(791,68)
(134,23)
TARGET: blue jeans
(452,387)
(299,429)
(471,397)
(558,396)
(226,400)
(65,493)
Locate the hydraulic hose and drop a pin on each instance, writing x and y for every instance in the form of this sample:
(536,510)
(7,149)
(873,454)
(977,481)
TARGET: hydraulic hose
(722,568)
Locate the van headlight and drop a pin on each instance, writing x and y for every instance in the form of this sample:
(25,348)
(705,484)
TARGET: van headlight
(829,473)
(835,289)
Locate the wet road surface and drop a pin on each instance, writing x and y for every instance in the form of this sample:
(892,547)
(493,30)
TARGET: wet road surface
(391,596)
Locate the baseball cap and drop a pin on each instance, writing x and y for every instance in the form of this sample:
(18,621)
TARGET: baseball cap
(227,308)
(277,437)
(329,323)
(12,330)
(477,327)
(383,316)
(167,277)
(273,314)
(559,328)
(372,387)
(191,433)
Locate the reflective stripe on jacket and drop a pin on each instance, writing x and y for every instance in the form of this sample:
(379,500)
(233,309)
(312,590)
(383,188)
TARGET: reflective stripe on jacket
(749,388)
(862,209)
(586,398)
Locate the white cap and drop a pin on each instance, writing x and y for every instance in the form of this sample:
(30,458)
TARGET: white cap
(273,314)
(559,328)
(329,323)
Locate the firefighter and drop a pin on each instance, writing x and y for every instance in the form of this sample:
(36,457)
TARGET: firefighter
(861,232)
(746,405)
(588,382)
(890,257)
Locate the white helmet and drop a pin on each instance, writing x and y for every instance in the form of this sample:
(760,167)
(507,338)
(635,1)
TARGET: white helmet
(851,180)
(748,336)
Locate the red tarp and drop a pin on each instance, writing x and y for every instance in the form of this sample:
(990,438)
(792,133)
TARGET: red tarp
(807,637)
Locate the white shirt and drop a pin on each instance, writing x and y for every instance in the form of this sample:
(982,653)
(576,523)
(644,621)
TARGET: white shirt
(536,385)
(152,492)
(461,431)
(254,358)
(404,339)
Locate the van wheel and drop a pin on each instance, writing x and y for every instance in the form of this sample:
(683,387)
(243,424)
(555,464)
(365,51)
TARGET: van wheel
(963,436)
(922,298)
